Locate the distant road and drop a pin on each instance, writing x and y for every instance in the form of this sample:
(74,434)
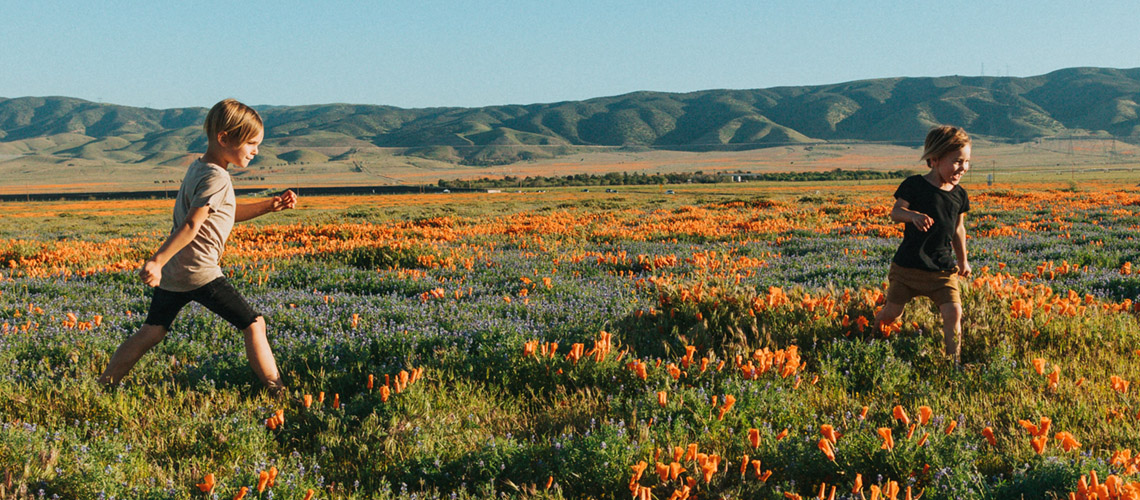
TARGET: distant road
(170,193)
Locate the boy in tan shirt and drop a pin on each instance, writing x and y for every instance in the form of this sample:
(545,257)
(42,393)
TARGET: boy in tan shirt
(185,268)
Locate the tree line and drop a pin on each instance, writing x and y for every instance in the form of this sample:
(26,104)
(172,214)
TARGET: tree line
(698,177)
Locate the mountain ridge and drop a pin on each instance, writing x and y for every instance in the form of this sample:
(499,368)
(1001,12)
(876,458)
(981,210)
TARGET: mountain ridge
(1081,101)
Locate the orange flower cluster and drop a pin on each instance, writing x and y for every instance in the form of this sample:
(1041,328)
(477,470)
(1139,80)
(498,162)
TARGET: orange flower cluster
(393,385)
(602,348)
(1113,488)
(275,421)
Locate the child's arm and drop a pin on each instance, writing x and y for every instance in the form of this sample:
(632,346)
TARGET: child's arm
(959,243)
(247,211)
(901,212)
(151,272)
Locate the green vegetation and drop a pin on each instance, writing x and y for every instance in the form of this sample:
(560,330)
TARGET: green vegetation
(640,179)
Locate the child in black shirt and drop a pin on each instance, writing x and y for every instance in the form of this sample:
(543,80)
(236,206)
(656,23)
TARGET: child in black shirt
(933,251)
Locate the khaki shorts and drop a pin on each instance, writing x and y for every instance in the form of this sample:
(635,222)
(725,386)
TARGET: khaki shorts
(906,283)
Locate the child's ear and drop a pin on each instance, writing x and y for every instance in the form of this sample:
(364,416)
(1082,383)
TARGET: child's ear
(222,139)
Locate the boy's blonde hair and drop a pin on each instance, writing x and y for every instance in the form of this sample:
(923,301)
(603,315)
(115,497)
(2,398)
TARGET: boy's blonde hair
(942,140)
(234,120)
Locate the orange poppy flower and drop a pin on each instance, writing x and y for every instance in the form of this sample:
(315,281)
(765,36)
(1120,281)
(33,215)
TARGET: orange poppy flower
(783,434)
(1068,442)
(272,476)
(262,481)
(207,483)
(307,400)
(1039,365)
(825,447)
(828,432)
(675,470)
(662,471)
(754,438)
(661,398)
(863,413)
(744,465)
(309,494)
(888,440)
(858,484)
(989,434)
(1039,444)
(951,426)
(241,493)
(691,453)
(924,413)
(900,414)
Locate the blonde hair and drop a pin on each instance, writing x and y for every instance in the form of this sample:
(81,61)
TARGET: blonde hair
(235,121)
(942,140)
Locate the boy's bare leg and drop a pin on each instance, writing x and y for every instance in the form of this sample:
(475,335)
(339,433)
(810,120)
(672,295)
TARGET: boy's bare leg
(130,351)
(260,355)
(889,314)
(952,329)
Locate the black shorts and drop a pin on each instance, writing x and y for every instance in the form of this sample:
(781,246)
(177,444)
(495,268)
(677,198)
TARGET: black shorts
(218,296)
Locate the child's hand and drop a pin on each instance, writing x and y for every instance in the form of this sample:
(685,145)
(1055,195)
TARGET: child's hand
(151,273)
(964,269)
(285,200)
(922,221)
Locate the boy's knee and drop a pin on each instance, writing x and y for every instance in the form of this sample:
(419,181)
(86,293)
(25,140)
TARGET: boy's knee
(152,334)
(951,311)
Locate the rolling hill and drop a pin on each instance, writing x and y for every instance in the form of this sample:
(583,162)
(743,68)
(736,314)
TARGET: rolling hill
(1081,101)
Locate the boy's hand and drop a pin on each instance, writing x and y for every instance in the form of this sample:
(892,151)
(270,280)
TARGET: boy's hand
(285,200)
(151,273)
(964,269)
(922,221)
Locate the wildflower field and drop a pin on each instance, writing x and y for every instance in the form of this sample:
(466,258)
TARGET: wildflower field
(713,343)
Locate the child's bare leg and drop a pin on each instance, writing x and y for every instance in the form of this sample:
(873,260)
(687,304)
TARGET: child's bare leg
(889,314)
(952,329)
(260,355)
(130,351)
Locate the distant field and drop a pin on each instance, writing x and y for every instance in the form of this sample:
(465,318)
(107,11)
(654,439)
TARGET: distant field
(1094,159)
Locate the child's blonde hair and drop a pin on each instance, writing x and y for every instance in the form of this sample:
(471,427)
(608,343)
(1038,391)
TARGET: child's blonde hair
(942,140)
(235,121)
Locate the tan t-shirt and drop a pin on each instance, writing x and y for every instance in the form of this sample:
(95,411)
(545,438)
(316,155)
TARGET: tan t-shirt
(196,264)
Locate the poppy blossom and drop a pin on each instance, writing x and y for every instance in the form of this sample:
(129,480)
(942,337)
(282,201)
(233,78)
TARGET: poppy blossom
(754,438)
(900,414)
(262,481)
(207,483)
(924,413)
(989,435)
(825,447)
(888,440)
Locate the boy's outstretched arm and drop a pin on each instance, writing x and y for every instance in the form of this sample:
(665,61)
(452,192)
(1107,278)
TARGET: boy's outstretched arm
(247,211)
(151,272)
(959,243)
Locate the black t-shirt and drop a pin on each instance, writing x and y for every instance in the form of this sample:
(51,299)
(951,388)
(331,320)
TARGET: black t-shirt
(930,250)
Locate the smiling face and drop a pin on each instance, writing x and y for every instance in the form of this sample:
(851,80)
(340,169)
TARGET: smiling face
(949,169)
(239,154)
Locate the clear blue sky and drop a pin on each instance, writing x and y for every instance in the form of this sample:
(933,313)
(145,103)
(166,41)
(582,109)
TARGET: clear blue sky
(423,53)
